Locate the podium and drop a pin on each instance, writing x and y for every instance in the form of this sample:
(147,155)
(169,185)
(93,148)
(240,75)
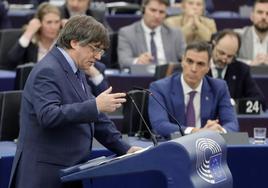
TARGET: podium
(193,161)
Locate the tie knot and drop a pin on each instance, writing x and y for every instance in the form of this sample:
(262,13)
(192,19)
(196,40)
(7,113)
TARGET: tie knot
(219,72)
(152,33)
(192,94)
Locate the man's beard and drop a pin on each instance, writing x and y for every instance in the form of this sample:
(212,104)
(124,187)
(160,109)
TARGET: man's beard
(261,29)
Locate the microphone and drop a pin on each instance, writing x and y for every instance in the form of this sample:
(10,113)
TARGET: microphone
(143,120)
(151,94)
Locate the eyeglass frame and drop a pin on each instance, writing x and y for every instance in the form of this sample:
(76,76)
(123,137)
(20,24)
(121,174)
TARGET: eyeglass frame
(97,50)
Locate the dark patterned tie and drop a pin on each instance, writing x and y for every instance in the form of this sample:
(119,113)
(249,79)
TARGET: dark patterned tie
(219,72)
(190,112)
(153,48)
(79,77)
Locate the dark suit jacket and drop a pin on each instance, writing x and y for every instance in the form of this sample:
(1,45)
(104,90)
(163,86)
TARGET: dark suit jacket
(240,82)
(99,15)
(215,104)
(19,55)
(4,19)
(57,123)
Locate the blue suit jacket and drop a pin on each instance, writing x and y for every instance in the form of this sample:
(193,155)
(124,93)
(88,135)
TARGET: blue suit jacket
(215,104)
(57,123)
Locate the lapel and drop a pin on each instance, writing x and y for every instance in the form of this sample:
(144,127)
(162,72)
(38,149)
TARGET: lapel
(231,77)
(140,40)
(70,75)
(166,42)
(206,101)
(177,98)
(248,41)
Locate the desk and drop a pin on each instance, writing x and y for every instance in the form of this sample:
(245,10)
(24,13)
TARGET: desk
(248,164)
(19,17)
(7,80)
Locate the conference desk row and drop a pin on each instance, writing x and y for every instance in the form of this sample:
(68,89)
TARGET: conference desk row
(123,82)
(20,17)
(247,163)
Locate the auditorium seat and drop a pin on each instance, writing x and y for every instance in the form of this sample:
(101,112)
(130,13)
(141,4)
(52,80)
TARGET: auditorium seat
(9,114)
(8,37)
(133,124)
(110,58)
(22,73)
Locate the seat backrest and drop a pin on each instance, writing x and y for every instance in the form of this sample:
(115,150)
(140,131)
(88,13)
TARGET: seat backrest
(9,114)
(162,71)
(8,37)
(133,124)
(22,73)
(110,58)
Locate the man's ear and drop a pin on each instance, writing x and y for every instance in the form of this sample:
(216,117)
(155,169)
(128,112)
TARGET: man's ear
(74,44)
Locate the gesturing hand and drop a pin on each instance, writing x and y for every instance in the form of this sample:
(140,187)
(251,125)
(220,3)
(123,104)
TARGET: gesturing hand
(109,102)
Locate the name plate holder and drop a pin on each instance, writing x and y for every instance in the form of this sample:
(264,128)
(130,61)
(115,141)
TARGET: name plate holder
(248,106)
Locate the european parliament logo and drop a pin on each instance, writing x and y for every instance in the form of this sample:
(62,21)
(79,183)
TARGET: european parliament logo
(208,166)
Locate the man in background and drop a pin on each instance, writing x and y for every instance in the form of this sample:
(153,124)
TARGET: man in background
(254,46)
(149,41)
(224,65)
(197,101)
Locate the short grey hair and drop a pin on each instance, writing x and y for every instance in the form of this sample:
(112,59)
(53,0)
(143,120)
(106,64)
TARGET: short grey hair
(85,30)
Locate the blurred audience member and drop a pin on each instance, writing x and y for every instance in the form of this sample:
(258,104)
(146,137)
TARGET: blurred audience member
(81,7)
(4,20)
(149,40)
(38,37)
(194,25)
(254,47)
(226,44)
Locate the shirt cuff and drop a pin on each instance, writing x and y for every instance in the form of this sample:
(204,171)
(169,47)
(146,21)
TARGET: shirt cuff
(24,42)
(97,79)
(188,130)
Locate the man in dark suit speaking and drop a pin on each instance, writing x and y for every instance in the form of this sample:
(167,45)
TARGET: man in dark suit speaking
(59,114)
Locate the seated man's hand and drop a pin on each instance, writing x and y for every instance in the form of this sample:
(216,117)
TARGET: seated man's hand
(109,102)
(145,58)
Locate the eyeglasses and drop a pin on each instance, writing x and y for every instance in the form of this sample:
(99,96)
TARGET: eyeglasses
(97,50)
(221,53)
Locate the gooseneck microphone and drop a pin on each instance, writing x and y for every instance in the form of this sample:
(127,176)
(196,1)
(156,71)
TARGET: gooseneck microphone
(143,120)
(151,94)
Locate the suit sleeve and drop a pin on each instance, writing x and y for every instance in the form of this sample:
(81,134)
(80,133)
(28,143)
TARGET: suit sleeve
(107,134)
(50,108)
(124,49)
(97,89)
(226,111)
(159,118)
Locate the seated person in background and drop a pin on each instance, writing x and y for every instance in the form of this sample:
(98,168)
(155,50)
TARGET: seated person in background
(81,7)
(39,36)
(4,20)
(224,65)
(197,101)
(254,46)
(149,41)
(193,24)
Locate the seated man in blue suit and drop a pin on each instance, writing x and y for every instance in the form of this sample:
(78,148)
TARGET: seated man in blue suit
(60,114)
(196,100)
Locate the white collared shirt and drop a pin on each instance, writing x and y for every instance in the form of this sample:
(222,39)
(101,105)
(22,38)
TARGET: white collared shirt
(259,47)
(197,102)
(158,41)
(214,71)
